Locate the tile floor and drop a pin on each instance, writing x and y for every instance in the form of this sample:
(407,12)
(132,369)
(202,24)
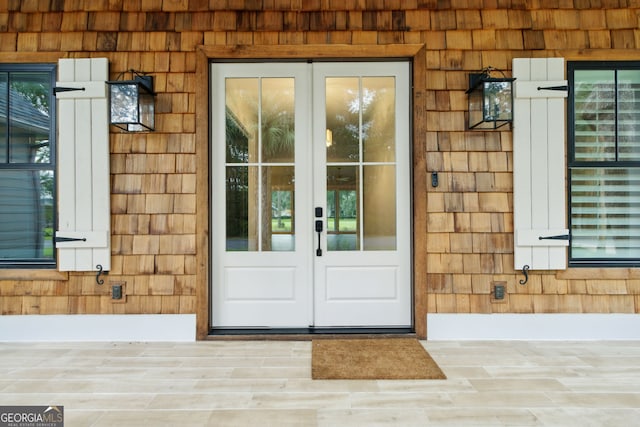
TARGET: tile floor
(267,383)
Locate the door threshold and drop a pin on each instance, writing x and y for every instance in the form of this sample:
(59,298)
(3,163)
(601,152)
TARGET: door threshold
(307,334)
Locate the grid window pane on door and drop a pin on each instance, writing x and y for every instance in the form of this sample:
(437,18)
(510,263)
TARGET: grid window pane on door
(604,164)
(360,123)
(260,139)
(27,166)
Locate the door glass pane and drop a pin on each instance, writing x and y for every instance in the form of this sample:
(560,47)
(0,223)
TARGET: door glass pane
(378,119)
(343,119)
(379,204)
(259,112)
(241,212)
(277,120)
(343,229)
(360,138)
(278,216)
(331,210)
(241,120)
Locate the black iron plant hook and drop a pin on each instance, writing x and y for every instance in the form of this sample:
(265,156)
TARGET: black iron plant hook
(100,281)
(525,271)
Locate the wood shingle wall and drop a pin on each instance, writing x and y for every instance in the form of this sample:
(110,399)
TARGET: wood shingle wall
(468,243)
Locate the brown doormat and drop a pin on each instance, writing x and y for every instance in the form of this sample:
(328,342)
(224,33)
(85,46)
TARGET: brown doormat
(372,359)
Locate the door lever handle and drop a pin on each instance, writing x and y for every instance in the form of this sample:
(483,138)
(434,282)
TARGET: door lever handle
(319,228)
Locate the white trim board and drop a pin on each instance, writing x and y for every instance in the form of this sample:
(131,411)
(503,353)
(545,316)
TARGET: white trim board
(545,327)
(98,327)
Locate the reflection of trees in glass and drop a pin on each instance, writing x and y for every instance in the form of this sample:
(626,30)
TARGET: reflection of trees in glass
(606,118)
(236,181)
(237,139)
(47,181)
(276,130)
(342,207)
(237,223)
(46,195)
(593,101)
(345,125)
(365,114)
(628,117)
(27,214)
(594,121)
(37,93)
(281,206)
(500,94)
(348,202)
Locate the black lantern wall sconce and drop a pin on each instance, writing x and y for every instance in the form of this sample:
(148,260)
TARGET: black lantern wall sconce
(132,102)
(490,100)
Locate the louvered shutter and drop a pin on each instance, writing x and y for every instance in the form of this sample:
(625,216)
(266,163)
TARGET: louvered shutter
(83,236)
(539,194)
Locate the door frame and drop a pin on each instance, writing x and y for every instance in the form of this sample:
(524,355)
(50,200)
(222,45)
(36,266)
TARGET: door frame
(414,53)
(361,288)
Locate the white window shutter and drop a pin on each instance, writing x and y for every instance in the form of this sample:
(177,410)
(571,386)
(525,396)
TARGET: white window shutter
(83,236)
(539,195)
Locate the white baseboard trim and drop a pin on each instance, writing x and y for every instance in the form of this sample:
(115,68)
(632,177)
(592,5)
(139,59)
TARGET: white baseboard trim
(461,327)
(98,327)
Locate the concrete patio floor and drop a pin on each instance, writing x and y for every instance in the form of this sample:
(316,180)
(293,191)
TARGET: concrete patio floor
(268,383)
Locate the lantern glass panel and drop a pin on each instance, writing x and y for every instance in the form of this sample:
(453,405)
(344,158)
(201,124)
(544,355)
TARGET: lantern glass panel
(146,113)
(476,107)
(497,101)
(124,103)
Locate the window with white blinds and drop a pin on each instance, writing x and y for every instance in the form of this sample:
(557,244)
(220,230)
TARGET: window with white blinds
(604,163)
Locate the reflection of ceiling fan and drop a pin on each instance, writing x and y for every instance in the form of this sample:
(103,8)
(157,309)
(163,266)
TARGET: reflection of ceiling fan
(338,177)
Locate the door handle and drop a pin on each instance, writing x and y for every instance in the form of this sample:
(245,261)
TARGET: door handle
(319,227)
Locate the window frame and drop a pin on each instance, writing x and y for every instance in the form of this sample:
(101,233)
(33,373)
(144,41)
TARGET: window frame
(572,67)
(21,264)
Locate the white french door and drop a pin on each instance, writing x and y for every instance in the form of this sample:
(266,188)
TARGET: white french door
(310,195)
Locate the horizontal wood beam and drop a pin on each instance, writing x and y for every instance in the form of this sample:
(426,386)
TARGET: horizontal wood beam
(30,57)
(594,54)
(275,52)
